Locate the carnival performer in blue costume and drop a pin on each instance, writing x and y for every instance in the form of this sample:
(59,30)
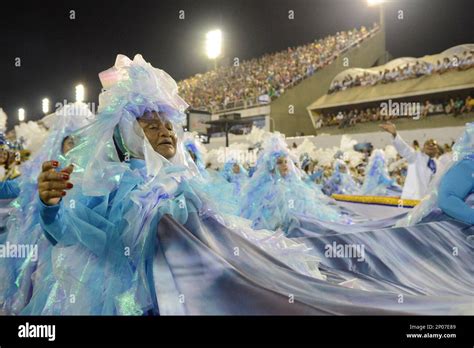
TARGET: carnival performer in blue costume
(341,180)
(234,173)
(19,274)
(277,195)
(137,237)
(9,189)
(312,175)
(377,181)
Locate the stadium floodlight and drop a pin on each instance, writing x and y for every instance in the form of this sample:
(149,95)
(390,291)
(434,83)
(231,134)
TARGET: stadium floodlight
(21,114)
(45,105)
(80,92)
(374,2)
(214,43)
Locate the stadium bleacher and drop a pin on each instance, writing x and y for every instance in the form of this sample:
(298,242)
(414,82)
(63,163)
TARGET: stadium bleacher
(437,89)
(260,80)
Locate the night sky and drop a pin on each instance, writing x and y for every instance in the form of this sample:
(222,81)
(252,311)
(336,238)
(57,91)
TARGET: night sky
(57,53)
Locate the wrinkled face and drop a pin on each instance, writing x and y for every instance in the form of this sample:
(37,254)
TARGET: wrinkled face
(159,133)
(236,168)
(3,156)
(282,165)
(430,148)
(68,144)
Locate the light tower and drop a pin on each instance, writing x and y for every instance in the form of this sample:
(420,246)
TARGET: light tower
(80,93)
(214,45)
(21,114)
(45,105)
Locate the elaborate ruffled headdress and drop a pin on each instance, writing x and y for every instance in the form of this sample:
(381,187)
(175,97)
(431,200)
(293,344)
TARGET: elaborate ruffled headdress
(273,147)
(62,123)
(228,170)
(131,89)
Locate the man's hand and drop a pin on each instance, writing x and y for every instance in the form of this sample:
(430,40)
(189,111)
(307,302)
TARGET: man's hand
(51,184)
(389,127)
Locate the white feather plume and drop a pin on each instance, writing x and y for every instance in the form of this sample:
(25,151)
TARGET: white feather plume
(33,133)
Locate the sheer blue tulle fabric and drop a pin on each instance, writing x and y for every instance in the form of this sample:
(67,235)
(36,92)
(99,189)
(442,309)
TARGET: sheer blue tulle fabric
(237,180)
(211,183)
(20,274)
(273,201)
(341,181)
(377,181)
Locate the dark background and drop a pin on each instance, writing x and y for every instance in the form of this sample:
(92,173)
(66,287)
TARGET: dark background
(57,53)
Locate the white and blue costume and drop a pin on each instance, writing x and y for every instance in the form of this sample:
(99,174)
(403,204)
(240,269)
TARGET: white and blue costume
(23,226)
(377,181)
(9,188)
(341,181)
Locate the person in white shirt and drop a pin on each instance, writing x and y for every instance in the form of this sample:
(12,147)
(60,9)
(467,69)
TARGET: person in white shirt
(422,164)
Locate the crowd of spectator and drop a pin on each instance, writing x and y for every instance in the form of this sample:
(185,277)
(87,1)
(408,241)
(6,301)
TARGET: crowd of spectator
(454,106)
(267,77)
(406,71)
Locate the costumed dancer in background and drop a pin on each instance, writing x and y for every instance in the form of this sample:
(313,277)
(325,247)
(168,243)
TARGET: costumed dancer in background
(313,174)
(20,274)
(276,195)
(234,173)
(377,181)
(341,180)
(9,188)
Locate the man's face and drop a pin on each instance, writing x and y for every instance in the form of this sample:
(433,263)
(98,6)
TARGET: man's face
(430,148)
(159,133)
(3,156)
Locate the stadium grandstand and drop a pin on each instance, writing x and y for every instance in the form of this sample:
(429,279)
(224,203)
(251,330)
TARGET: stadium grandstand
(439,88)
(274,90)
